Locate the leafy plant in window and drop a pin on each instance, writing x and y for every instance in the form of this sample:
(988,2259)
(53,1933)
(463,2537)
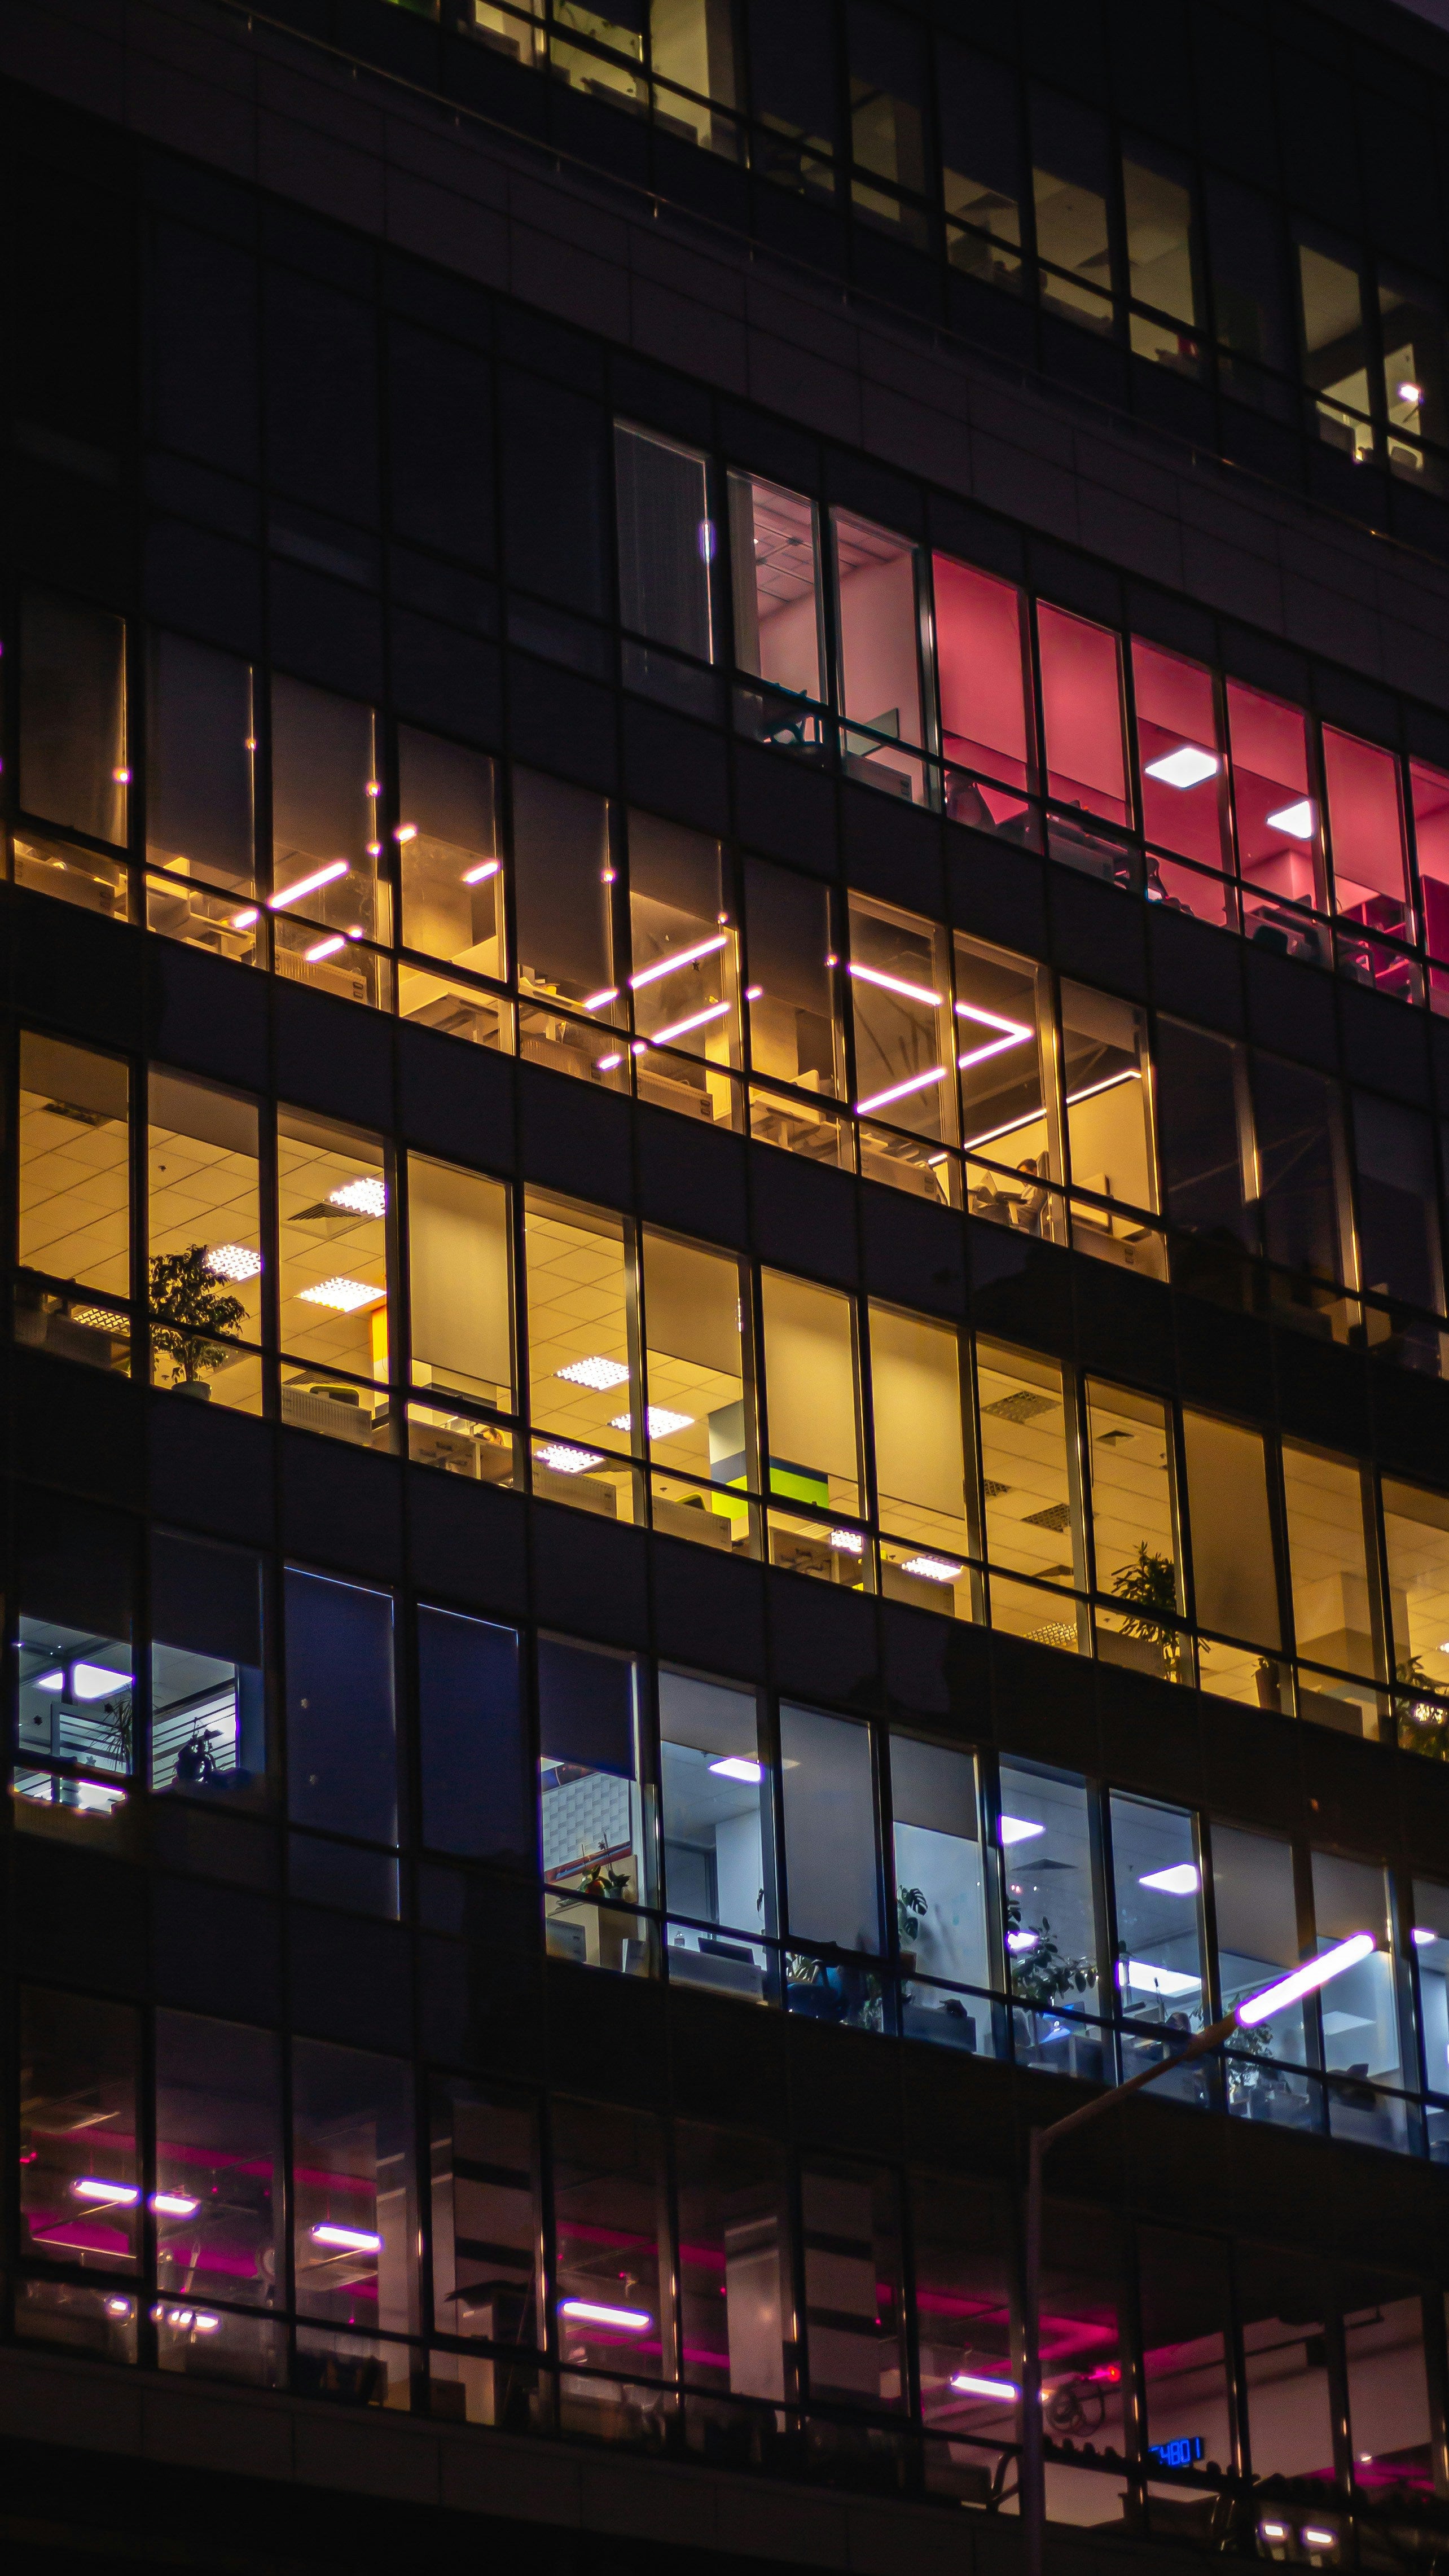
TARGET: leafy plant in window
(1423,1723)
(911,1912)
(1045,1973)
(187,1310)
(115,1732)
(1148,1585)
(601,1879)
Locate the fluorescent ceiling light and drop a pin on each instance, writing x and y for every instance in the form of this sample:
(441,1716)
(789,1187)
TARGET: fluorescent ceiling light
(240,921)
(233,1261)
(754,992)
(408,832)
(1181,1880)
(895,984)
(92,1681)
(633,2320)
(1296,820)
(696,1020)
(1016,1829)
(346,1295)
(608,1062)
(1313,2539)
(932,1569)
(1016,1942)
(118,2307)
(1186,767)
(1411,393)
(348,2240)
(324,948)
(334,869)
(681,957)
(174,2204)
(970,2386)
(480,875)
(569,1462)
(56,1681)
(364,1197)
(658,1420)
(899,1090)
(737,1766)
(1149,1979)
(1423,1938)
(117,2195)
(596,1372)
(1273,2530)
(1305,1980)
(849,1541)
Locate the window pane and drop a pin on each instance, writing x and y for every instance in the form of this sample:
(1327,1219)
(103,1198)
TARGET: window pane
(1258,1940)
(1430,1943)
(1205,1134)
(474,1769)
(1160,1969)
(1290,2420)
(1183,2291)
(1161,265)
(333,1205)
(340,1723)
(901,1013)
(684,980)
(355,2228)
(459,1258)
(487,2222)
(1335,348)
(982,660)
(1398,1211)
(794,1029)
(1105,1070)
(1412,320)
(853,2316)
(1081,691)
(1245,239)
(450,872)
(204,1266)
(1002,1038)
(75,1182)
(1083,2361)
(940,1891)
(965,2295)
(775,543)
(718,1844)
(1359,2008)
(1052,1937)
(74,764)
(793,70)
(325,790)
(200,751)
(699,1415)
(981,161)
(1416,1532)
(1301,1167)
(1069,184)
(1032,1526)
(208,1689)
(887,96)
(1388,2394)
(80,2168)
(1335,1612)
(1366,825)
(75,1579)
(920,1458)
(1180,752)
(1429,789)
(828,1795)
(732,2244)
(692,42)
(666,541)
(811,1391)
(878,576)
(597,1842)
(1279,854)
(218,2197)
(582,1362)
(1234,1585)
(612,2238)
(1134,1529)
(562,876)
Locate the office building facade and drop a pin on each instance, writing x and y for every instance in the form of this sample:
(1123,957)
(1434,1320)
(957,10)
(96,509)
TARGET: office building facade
(726,791)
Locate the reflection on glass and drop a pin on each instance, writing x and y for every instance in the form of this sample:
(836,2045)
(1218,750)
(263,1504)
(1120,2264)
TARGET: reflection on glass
(1358,2011)
(981,163)
(487,2227)
(218,2198)
(854,2320)
(78,2140)
(1182,2287)
(965,2300)
(940,1895)
(733,2256)
(613,2269)
(1069,183)
(1258,1941)
(666,541)
(354,2224)
(1290,2413)
(74,761)
(200,752)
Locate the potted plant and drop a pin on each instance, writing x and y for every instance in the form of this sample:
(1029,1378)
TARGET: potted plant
(187,1310)
(1042,1975)
(911,1911)
(1148,1585)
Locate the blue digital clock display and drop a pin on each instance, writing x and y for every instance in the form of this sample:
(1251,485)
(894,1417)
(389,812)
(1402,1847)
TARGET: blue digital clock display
(1181,2454)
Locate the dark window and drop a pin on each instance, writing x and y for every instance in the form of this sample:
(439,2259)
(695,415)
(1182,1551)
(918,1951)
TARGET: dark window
(887,100)
(666,541)
(736,2307)
(203,303)
(470,1740)
(321,396)
(612,2268)
(553,492)
(980,163)
(340,1725)
(354,2213)
(73,757)
(80,2166)
(1183,2290)
(218,2199)
(1398,1221)
(487,2229)
(200,745)
(1205,1134)
(441,443)
(1300,1158)
(1245,246)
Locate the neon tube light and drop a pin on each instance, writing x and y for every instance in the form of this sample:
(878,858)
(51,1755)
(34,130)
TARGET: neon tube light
(898,1090)
(480,876)
(631,2319)
(349,2240)
(597,1001)
(696,1020)
(324,948)
(1306,1980)
(174,2204)
(971,2386)
(894,984)
(116,2195)
(334,869)
(682,957)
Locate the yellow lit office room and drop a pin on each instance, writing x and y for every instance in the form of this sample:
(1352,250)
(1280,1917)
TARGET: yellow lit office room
(920,1462)
(329,893)
(813,1416)
(450,888)
(200,822)
(1337,1619)
(333,1204)
(684,980)
(1416,1536)
(582,1356)
(1138,1561)
(1106,1076)
(74,1230)
(563,898)
(699,1410)
(901,1017)
(204,1241)
(74,766)
(1004,1059)
(460,1290)
(1234,1577)
(1029,1480)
